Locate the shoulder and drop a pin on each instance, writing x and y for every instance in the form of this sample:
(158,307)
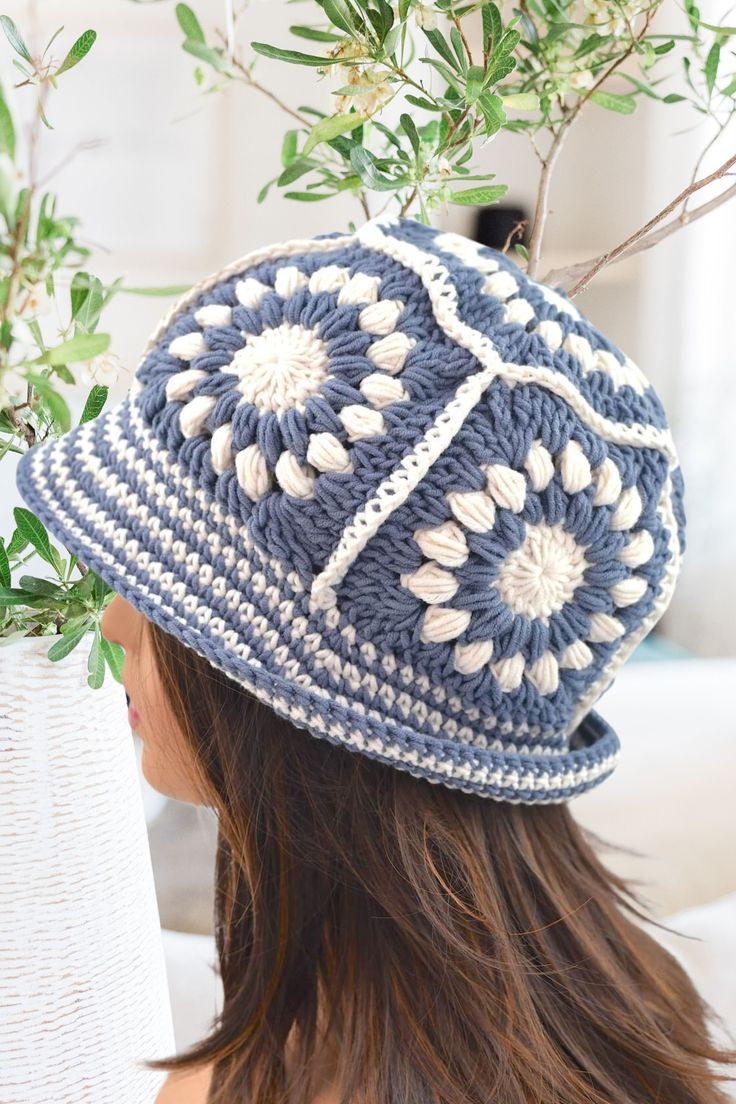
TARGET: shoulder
(186,1088)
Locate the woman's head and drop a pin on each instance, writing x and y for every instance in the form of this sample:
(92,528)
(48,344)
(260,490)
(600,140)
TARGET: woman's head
(446,947)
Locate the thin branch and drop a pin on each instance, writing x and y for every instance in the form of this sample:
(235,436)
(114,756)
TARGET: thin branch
(703,154)
(644,238)
(540,213)
(271,95)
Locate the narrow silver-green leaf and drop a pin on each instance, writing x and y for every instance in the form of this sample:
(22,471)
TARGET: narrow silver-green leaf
(67,643)
(329,128)
(14,37)
(479,196)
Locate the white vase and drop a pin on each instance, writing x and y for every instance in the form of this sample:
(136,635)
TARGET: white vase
(83,990)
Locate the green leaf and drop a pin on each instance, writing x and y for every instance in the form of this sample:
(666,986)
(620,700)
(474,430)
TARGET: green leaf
(54,402)
(410,130)
(314,34)
(730,87)
(94,403)
(79,347)
(7,130)
(293,171)
(17,543)
(624,104)
(96,662)
(41,588)
(189,23)
(329,128)
(665,47)
(365,166)
(68,642)
(712,62)
(522,251)
(440,45)
(459,48)
(493,112)
(474,77)
(673,97)
(308,197)
(14,37)
(479,196)
(288,147)
(500,70)
(426,105)
(338,12)
(34,531)
(446,72)
(87,300)
(114,657)
(79,50)
(294,56)
(509,41)
(492,26)
(522,101)
(214,57)
(15,596)
(4,565)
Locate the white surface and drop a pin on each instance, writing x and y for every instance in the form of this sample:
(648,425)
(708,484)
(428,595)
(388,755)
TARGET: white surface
(671,796)
(83,993)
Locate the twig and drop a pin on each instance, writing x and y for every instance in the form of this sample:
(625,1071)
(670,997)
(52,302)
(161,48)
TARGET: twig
(540,213)
(704,152)
(517,229)
(271,95)
(642,238)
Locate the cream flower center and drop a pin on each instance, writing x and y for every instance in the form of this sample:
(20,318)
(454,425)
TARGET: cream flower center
(281,367)
(542,574)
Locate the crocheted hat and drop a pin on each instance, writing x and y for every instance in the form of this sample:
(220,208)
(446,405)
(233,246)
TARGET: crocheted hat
(404,494)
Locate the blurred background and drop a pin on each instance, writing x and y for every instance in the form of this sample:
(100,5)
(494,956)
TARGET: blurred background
(165,180)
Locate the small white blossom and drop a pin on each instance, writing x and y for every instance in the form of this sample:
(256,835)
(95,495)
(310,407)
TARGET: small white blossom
(102,370)
(38,302)
(582,79)
(13,388)
(444,168)
(612,19)
(426,16)
(365,101)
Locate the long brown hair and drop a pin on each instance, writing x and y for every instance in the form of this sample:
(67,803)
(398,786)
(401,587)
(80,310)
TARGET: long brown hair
(462,950)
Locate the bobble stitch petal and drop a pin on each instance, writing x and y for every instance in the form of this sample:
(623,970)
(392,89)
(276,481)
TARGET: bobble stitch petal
(539,465)
(473,509)
(471,658)
(188,346)
(390,352)
(382,390)
(446,544)
(628,591)
(252,471)
(179,386)
(544,674)
(508,487)
(639,550)
(574,468)
(604,629)
(431,583)
(443,623)
(629,508)
(327,454)
(294,479)
(607,479)
(221,446)
(509,672)
(361,422)
(381,317)
(193,416)
(214,315)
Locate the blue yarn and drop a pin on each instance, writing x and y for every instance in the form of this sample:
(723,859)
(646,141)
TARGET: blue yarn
(550,590)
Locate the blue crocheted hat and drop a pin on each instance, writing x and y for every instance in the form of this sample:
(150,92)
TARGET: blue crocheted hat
(407,496)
